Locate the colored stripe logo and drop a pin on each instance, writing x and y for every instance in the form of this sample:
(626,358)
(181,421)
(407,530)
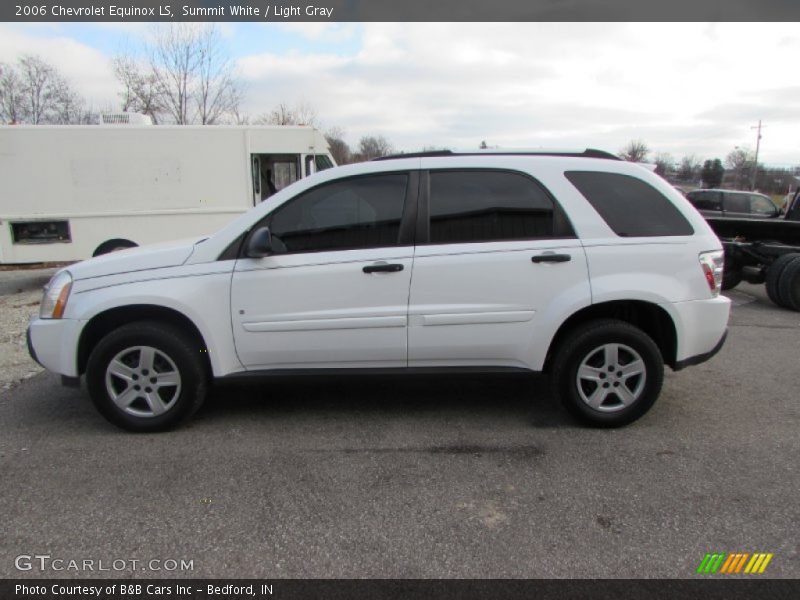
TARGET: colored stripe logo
(735,563)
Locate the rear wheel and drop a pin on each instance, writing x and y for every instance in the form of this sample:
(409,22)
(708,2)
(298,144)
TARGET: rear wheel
(789,285)
(608,373)
(146,376)
(774,273)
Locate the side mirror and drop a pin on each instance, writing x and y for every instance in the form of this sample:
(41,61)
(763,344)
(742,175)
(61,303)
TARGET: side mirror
(259,244)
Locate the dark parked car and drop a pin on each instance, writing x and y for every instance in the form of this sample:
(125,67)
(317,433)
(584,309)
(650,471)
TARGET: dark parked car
(735,204)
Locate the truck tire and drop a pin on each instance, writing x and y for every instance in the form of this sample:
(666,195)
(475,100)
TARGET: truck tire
(607,373)
(112,246)
(731,278)
(789,285)
(774,275)
(146,376)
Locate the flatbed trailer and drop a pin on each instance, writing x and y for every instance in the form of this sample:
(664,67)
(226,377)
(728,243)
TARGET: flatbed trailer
(763,251)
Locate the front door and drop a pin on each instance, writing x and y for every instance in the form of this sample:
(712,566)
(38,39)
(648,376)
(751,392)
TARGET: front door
(335,291)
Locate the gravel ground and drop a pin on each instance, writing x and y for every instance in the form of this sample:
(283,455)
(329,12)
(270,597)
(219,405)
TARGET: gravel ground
(471,477)
(20,293)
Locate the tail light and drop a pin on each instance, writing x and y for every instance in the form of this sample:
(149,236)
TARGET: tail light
(713,264)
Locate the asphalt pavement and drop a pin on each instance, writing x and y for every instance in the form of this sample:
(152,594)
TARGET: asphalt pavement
(419,477)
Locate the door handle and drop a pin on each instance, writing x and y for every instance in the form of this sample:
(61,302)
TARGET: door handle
(383,268)
(556,258)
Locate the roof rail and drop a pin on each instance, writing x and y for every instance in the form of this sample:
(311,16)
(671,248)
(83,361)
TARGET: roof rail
(587,153)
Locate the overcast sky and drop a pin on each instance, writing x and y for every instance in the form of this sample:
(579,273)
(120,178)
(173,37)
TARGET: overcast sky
(682,88)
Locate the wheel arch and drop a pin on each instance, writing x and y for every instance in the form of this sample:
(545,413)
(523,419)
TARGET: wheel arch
(108,320)
(112,244)
(651,318)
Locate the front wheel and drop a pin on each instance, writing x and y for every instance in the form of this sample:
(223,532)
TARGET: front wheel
(146,376)
(607,373)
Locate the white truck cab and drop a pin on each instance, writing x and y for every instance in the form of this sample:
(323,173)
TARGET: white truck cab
(70,192)
(577,264)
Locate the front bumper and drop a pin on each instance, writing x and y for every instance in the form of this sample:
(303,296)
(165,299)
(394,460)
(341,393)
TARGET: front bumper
(31,351)
(53,343)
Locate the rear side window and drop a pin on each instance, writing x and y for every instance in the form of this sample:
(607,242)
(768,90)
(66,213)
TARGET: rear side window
(631,207)
(706,200)
(484,206)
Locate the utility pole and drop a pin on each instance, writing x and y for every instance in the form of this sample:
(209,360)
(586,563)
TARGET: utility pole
(758,145)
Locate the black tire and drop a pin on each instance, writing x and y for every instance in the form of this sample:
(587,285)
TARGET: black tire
(173,352)
(583,344)
(110,246)
(789,285)
(731,278)
(774,275)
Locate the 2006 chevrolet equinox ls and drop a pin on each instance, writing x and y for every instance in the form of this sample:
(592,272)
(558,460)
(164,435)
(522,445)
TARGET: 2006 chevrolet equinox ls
(588,268)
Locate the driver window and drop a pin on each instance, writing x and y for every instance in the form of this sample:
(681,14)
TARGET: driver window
(761,205)
(363,212)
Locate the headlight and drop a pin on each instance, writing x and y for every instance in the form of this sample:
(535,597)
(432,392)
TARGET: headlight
(56,294)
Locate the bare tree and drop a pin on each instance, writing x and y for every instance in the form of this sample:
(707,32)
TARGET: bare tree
(173,64)
(11,110)
(284,114)
(218,93)
(71,109)
(740,161)
(635,151)
(187,77)
(42,89)
(34,92)
(664,163)
(139,93)
(373,146)
(338,147)
(238,117)
(689,168)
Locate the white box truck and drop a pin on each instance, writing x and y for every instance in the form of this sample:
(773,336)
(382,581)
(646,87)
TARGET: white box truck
(71,192)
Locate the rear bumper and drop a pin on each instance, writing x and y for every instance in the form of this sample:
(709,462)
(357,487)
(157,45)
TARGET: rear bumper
(701,358)
(701,327)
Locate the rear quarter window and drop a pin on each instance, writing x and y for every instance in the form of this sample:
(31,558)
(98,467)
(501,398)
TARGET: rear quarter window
(630,206)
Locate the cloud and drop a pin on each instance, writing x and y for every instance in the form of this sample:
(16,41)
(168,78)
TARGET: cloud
(88,69)
(684,87)
(319,31)
(687,88)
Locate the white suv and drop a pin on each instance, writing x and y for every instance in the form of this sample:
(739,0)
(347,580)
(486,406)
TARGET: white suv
(589,268)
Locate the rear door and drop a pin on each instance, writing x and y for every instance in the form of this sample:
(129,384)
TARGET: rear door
(737,205)
(495,254)
(334,293)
